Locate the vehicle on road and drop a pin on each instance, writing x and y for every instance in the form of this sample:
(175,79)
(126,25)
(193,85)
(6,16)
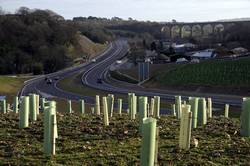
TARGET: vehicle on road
(49,81)
(93,60)
(57,78)
(99,81)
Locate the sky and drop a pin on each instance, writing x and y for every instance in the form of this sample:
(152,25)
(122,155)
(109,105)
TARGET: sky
(153,10)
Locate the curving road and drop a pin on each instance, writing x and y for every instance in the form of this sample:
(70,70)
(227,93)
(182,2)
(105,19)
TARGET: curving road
(99,69)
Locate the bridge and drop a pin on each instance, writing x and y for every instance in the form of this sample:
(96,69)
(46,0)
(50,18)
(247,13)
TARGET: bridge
(177,30)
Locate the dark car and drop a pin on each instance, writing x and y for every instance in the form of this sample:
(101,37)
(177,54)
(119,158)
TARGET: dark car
(49,81)
(57,78)
(99,81)
(46,78)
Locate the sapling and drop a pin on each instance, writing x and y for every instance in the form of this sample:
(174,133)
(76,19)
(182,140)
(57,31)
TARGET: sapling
(37,104)
(24,113)
(147,154)
(69,107)
(209,108)
(97,105)
(173,110)
(105,111)
(226,110)
(178,106)
(194,101)
(82,106)
(202,112)
(245,118)
(92,110)
(110,102)
(50,128)
(157,106)
(120,106)
(152,107)
(3,106)
(142,110)
(16,104)
(33,107)
(185,128)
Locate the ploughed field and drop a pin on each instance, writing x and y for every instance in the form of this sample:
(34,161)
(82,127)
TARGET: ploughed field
(84,140)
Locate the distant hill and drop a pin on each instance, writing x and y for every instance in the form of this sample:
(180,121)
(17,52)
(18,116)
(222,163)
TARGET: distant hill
(235,19)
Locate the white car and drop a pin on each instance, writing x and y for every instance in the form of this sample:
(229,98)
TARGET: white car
(93,60)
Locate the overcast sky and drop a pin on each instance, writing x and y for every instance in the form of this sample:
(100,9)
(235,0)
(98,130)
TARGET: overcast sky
(154,10)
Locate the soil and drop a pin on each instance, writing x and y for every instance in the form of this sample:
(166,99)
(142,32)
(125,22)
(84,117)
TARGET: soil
(84,140)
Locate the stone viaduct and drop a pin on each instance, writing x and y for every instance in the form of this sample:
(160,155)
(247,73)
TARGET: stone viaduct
(196,29)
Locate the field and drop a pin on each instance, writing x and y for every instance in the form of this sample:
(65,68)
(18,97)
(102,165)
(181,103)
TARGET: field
(223,73)
(83,140)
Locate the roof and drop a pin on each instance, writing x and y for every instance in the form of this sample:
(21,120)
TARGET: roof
(204,54)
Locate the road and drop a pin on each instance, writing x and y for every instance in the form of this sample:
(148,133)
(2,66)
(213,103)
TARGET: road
(93,71)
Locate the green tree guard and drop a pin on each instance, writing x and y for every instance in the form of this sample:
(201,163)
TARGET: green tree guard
(178,106)
(226,110)
(129,103)
(105,111)
(82,106)
(24,113)
(16,103)
(147,154)
(69,107)
(110,100)
(194,101)
(8,108)
(185,128)
(202,112)
(42,103)
(209,108)
(53,134)
(97,105)
(156,146)
(134,105)
(3,106)
(120,107)
(37,104)
(142,111)
(152,103)
(148,111)
(50,128)
(131,107)
(157,106)
(33,109)
(245,118)
(127,110)
(173,110)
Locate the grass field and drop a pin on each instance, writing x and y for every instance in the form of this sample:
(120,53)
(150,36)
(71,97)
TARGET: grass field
(11,85)
(83,140)
(228,73)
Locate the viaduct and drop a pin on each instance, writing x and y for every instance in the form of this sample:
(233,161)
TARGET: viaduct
(196,29)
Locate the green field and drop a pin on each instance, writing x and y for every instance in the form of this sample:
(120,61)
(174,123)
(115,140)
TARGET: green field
(229,73)
(83,140)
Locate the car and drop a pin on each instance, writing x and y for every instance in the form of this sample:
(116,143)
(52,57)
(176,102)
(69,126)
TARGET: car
(93,60)
(49,81)
(57,78)
(99,81)
(46,78)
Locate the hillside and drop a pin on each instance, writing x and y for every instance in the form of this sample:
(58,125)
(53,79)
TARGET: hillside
(83,47)
(216,76)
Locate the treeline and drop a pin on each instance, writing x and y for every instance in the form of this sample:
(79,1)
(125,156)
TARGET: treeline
(37,41)
(34,42)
